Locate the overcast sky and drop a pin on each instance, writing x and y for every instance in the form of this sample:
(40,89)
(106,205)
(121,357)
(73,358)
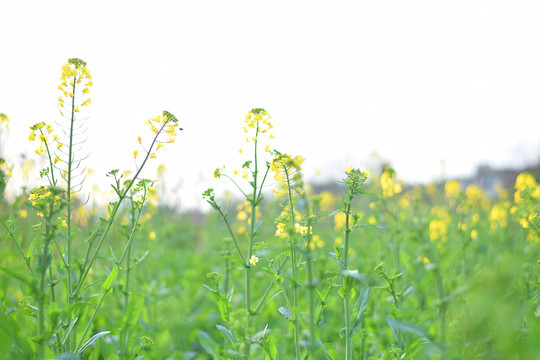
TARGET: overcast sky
(415,81)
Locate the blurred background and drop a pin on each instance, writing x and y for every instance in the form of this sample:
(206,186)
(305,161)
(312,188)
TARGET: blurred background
(435,89)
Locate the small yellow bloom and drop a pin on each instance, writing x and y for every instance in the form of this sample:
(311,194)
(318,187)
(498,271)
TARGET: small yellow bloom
(56,159)
(253,260)
(267,148)
(135,153)
(242,215)
(23,213)
(139,138)
(152,235)
(474,234)
(348,169)
(153,156)
(39,213)
(159,146)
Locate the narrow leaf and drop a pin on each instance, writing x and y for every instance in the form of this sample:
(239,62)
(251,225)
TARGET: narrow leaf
(92,340)
(285,312)
(110,279)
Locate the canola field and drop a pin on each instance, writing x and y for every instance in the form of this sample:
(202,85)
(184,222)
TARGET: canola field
(374,269)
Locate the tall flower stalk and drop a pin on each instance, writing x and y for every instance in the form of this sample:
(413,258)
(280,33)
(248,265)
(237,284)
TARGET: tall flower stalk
(354,181)
(257,124)
(288,175)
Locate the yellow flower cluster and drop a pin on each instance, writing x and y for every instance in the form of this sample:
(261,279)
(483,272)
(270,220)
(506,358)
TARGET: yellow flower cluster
(527,205)
(475,196)
(75,73)
(438,227)
(287,171)
(388,186)
(41,131)
(259,121)
(41,197)
(166,123)
(498,217)
(452,189)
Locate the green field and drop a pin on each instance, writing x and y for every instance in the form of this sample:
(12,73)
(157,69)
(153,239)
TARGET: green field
(373,269)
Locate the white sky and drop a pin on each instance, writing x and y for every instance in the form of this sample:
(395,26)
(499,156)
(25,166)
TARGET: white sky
(415,81)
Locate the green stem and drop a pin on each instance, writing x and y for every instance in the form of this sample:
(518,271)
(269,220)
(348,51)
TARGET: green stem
(346,284)
(296,323)
(247,267)
(41,343)
(69,281)
(124,339)
(91,319)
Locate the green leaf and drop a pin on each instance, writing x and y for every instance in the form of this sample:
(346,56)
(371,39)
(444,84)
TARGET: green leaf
(68,331)
(208,344)
(400,325)
(26,279)
(334,256)
(228,334)
(355,274)
(361,306)
(321,346)
(367,226)
(224,307)
(285,312)
(10,329)
(110,279)
(258,225)
(278,278)
(92,340)
(334,213)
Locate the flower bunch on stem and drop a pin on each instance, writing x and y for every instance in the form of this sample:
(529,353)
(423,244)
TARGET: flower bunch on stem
(257,125)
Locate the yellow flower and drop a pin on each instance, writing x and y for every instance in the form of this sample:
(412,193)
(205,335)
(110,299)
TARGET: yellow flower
(159,146)
(498,216)
(253,260)
(135,153)
(280,230)
(153,156)
(23,213)
(152,235)
(139,138)
(474,234)
(56,159)
(39,213)
(242,215)
(348,169)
